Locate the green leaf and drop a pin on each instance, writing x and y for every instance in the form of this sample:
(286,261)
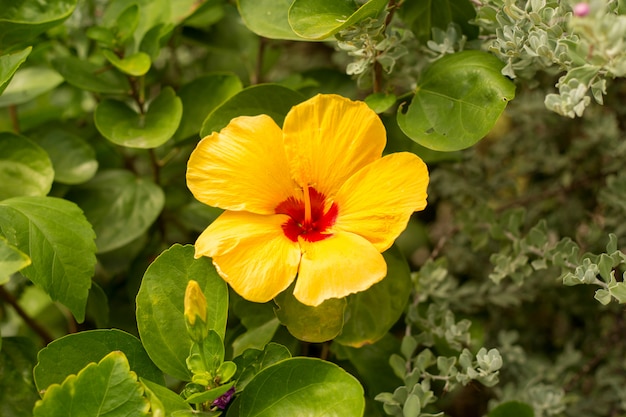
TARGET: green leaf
(457,102)
(120,206)
(69,354)
(320,19)
(25,168)
(423,16)
(17,390)
(200,97)
(303,386)
(73,159)
(380,102)
(28,83)
(311,324)
(9,63)
(268,18)
(271,99)
(256,337)
(23,20)
(371,313)
(58,239)
(90,76)
(108,388)
(160,306)
(252,361)
(126,24)
(123,126)
(11,260)
(137,64)
(210,395)
(512,409)
(169,400)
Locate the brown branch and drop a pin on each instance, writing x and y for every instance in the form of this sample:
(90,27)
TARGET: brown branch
(37,328)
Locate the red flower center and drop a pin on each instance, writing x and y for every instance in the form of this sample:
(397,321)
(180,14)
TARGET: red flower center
(307,217)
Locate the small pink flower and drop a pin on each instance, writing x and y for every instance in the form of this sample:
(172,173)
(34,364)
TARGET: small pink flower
(581,9)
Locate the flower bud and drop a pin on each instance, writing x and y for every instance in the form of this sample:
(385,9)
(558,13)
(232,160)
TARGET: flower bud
(194,309)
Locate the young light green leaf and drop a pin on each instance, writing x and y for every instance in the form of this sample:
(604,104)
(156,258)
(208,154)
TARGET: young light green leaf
(200,97)
(320,19)
(311,324)
(108,388)
(23,20)
(69,354)
(137,64)
(60,242)
(120,206)
(457,102)
(271,99)
(371,313)
(169,400)
(28,83)
(25,168)
(306,386)
(89,76)
(11,260)
(9,63)
(160,306)
(73,159)
(268,18)
(123,126)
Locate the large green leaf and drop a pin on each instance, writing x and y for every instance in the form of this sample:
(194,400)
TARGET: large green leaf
(120,206)
(17,390)
(458,100)
(60,242)
(22,20)
(319,19)
(271,99)
(303,387)
(123,126)
(200,97)
(25,168)
(253,361)
(108,388)
(311,324)
(9,63)
(160,306)
(69,354)
(28,83)
(11,260)
(268,18)
(371,313)
(90,76)
(423,16)
(73,159)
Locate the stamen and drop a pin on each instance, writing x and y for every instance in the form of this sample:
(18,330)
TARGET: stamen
(307,205)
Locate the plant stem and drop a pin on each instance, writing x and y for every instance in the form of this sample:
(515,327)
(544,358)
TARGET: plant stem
(15,123)
(37,328)
(257,76)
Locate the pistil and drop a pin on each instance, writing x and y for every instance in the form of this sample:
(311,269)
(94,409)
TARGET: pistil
(307,205)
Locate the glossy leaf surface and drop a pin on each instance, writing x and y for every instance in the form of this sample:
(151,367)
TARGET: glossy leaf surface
(160,306)
(268,18)
(107,388)
(9,63)
(123,126)
(25,168)
(457,102)
(60,242)
(69,354)
(323,18)
(302,386)
(28,83)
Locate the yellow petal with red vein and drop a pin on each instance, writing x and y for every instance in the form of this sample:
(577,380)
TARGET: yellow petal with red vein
(378,201)
(251,253)
(328,138)
(336,267)
(243,167)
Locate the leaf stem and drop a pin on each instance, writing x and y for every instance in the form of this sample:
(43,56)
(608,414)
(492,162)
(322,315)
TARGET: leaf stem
(15,123)
(42,332)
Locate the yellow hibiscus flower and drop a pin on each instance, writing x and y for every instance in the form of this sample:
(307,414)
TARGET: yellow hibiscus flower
(314,199)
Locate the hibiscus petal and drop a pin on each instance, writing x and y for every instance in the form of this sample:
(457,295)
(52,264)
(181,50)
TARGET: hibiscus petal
(335,267)
(328,138)
(251,253)
(378,201)
(243,167)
